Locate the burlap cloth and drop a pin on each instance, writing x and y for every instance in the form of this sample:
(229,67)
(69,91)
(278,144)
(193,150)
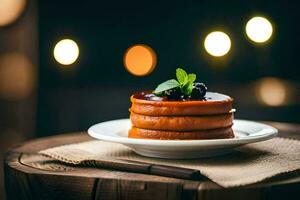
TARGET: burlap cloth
(246,165)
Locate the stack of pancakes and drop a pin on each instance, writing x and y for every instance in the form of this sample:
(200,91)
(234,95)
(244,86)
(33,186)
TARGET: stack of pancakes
(182,120)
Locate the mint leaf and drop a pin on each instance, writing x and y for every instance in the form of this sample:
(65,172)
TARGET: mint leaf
(181,76)
(187,88)
(190,89)
(167,85)
(192,77)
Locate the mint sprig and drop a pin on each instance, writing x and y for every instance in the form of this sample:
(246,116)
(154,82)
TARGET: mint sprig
(184,82)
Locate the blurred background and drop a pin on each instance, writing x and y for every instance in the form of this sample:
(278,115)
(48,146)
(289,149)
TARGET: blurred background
(65,65)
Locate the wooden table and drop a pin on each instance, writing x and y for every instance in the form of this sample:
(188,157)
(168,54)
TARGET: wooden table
(31,176)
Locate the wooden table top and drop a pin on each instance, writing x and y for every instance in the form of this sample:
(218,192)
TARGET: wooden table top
(31,176)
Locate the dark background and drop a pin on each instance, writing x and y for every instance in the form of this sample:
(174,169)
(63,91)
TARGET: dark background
(97,87)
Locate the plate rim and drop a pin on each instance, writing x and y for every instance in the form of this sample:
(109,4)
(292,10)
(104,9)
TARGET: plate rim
(272,132)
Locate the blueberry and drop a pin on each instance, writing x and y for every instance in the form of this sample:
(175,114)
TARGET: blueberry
(173,94)
(199,91)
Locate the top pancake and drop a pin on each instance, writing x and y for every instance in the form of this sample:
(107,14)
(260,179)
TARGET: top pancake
(215,103)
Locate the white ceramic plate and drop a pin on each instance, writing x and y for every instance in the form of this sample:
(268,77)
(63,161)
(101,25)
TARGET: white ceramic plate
(245,132)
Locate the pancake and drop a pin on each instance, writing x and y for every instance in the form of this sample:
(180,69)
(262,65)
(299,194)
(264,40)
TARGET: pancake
(160,117)
(220,133)
(214,103)
(181,123)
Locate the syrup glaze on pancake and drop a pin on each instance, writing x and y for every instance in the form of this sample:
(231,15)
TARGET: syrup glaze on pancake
(145,103)
(209,96)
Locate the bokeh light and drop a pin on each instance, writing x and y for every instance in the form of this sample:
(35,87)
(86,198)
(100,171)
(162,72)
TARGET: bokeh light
(259,29)
(10,10)
(140,60)
(271,91)
(17,77)
(66,52)
(217,43)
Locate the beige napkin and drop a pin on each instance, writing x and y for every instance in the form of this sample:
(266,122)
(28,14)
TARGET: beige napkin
(246,165)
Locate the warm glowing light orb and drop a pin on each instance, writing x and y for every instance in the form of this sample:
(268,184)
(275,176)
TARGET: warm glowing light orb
(17,77)
(140,60)
(259,29)
(217,43)
(66,52)
(10,10)
(271,91)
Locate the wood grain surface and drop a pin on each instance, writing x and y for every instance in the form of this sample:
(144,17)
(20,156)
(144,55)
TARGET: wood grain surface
(31,176)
